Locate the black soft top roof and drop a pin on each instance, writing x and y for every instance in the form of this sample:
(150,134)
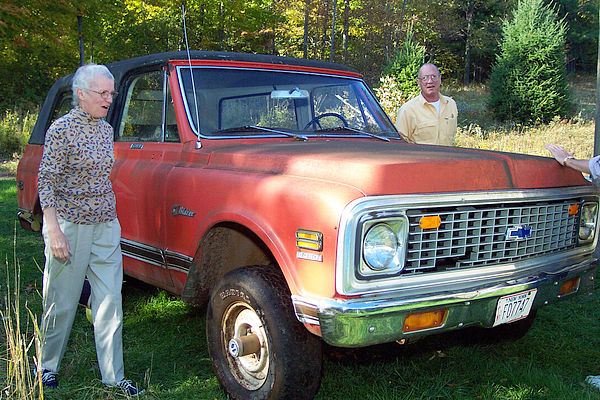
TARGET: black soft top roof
(120,69)
(159,58)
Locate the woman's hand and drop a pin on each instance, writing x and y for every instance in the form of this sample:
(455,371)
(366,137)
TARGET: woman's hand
(59,245)
(559,153)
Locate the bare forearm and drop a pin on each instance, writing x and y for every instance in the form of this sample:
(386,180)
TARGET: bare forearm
(579,165)
(50,218)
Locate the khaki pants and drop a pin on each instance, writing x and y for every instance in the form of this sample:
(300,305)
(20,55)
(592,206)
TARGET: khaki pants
(95,252)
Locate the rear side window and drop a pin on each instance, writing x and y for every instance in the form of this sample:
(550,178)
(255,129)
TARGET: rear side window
(62,106)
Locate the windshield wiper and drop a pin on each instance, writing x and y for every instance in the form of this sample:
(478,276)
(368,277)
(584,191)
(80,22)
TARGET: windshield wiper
(247,128)
(347,128)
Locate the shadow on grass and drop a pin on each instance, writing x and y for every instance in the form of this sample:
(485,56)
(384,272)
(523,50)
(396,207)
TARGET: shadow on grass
(431,346)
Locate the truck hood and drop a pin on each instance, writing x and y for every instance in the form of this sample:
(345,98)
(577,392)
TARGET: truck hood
(380,168)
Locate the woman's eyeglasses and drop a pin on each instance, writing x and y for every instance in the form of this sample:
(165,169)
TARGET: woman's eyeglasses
(105,94)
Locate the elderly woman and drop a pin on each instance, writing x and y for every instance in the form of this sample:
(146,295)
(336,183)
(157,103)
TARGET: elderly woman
(81,230)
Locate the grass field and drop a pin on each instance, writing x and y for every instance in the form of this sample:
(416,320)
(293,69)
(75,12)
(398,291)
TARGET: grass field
(477,128)
(165,344)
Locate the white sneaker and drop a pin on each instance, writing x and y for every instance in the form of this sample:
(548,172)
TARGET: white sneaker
(128,388)
(593,380)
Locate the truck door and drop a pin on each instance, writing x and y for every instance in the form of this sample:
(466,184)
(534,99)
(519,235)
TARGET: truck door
(147,146)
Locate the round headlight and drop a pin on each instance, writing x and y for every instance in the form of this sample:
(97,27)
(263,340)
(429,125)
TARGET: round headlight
(586,232)
(380,247)
(587,224)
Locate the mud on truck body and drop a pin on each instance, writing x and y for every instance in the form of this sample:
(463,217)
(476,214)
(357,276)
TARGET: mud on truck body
(277,192)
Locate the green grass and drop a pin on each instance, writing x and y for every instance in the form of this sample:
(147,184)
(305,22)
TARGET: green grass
(8,168)
(165,348)
(165,345)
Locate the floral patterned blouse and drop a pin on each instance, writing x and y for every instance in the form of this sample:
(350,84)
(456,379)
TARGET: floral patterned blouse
(75,169)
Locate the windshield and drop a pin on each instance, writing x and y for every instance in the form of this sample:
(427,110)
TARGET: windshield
(240,102)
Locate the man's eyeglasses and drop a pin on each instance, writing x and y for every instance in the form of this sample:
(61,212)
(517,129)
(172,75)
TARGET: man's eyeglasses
(105,94)
(433,77)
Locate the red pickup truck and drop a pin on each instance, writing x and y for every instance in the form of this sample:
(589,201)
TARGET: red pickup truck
(278,193)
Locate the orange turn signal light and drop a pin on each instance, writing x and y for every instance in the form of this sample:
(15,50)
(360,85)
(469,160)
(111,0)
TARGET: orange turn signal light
(424,320)
(430,222)
(570,286)
(573,209)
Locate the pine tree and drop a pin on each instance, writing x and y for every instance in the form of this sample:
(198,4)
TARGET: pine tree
(404,68)
(528,82)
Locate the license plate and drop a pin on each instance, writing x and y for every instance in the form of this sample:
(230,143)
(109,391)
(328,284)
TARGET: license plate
(514,307)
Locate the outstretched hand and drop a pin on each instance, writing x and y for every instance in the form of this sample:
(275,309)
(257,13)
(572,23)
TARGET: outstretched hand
(558,152)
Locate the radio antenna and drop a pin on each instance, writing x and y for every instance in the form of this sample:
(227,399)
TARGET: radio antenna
(187,48)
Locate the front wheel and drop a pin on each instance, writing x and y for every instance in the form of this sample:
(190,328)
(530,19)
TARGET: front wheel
(258,348)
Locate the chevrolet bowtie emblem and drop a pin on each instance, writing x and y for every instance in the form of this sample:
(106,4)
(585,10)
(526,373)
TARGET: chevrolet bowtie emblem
(519,232)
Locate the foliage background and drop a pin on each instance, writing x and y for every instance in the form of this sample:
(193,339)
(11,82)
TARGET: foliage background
(39,43)
(39,38)
(528,82)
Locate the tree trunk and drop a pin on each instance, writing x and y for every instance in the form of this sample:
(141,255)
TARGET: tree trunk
(597,116)
(306,15)
(346,30)
(469,17)
(401,21)
(222,25)
(273,11)
(389,17)
(202,13)
(332,42)
(325,27)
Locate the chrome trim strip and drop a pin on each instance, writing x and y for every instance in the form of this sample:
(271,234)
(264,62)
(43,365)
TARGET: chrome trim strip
(155,256)
(177,261)
(306,312)
(142,252)
(347,284)
(25,215)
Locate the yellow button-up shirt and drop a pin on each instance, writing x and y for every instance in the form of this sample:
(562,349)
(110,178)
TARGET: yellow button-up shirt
(419,122)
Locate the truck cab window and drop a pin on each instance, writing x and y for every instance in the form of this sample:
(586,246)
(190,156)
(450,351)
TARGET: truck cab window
(144,110)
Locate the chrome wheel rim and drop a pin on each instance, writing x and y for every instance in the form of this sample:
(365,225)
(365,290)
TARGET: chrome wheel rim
(239,321)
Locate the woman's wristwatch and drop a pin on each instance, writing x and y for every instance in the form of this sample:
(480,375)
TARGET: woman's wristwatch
(569,157)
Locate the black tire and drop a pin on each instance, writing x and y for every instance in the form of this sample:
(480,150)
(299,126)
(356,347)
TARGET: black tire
(255,302)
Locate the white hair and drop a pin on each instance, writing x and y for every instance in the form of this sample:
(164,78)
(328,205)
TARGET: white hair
(85,75)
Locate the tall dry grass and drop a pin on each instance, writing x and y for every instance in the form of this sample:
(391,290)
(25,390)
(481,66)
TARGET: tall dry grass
(576,137)
(22,339)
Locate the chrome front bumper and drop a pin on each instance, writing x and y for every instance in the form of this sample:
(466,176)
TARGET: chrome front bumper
(370,320)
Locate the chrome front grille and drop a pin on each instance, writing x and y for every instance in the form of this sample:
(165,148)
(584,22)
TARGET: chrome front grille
(476,236)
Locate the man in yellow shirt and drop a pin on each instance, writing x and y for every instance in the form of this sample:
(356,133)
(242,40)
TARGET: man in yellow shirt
(430,117)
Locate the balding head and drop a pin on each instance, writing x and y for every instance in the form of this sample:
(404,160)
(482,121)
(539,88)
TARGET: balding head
(429,80)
